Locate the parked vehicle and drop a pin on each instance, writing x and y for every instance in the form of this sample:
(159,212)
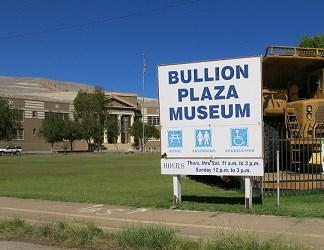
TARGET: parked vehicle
(11,150)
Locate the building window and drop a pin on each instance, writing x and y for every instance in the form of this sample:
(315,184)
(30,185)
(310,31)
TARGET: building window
(153,120)
(124,124)
(34,114)
(47,114)
(20,134)
(34,131)
(65,116)
(20,115)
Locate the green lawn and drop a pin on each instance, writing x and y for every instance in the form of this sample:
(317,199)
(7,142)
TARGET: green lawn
(130,180)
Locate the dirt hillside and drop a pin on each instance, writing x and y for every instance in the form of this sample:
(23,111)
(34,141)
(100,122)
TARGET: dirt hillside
(40,88)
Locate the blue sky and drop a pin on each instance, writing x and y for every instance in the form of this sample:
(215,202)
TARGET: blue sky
(110,53)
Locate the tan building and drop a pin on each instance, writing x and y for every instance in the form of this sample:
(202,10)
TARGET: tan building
(31,116)
(33,112)
(150,115)
(34,97)
(125,107)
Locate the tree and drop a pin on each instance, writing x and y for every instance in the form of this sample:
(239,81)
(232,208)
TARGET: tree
(136,130)
(113,128)
(316,41)
(91,111)
(150,131)
(9,122)
(52,128)
(71,131)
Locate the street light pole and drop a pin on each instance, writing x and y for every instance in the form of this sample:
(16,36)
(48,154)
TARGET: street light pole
(143,110)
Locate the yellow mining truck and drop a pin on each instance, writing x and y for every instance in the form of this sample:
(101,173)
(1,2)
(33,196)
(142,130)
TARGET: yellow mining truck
(293,105)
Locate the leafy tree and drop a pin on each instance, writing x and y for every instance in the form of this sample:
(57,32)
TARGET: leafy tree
(150,131)
(316,41)
(91,111)
(136,130)
(9,122)
(71,131)
(113,128)
(52,128)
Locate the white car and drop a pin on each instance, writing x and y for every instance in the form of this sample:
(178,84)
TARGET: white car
(11,150)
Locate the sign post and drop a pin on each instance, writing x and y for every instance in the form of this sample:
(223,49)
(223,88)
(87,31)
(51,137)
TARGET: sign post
(322,154)
(248,192)
(176,189)
(211,119)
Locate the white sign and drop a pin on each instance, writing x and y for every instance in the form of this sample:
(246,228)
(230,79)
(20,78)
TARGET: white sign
(212,111)
(237,167)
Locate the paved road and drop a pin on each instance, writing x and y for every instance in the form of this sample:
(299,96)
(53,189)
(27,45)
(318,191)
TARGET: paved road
(191,223)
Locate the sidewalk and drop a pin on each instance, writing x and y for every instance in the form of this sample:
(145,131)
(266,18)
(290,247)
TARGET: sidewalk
(189,223)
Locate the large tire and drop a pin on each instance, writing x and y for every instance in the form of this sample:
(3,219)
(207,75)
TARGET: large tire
(271,145)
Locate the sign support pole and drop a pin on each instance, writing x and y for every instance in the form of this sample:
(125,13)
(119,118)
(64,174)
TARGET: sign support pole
(176,189)
(248,192)
(278,180)
(322,155)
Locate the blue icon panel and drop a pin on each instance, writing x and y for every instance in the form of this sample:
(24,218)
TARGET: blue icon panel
(175,139)
(203,137)
(239,137)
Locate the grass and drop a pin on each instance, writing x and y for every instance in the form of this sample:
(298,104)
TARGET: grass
(71,234)
(131,180)
(146,237)
(81,234)
(14,228)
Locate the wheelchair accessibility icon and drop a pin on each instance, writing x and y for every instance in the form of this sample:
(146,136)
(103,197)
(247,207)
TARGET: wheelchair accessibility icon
(239,137)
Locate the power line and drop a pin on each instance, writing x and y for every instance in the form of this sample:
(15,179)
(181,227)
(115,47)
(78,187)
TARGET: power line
(101,21)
